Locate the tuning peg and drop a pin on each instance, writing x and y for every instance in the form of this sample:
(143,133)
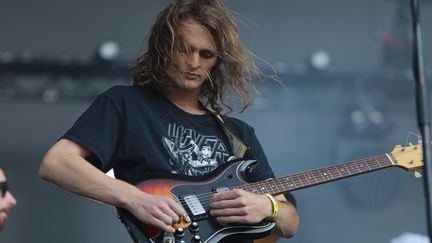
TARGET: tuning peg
(417,174)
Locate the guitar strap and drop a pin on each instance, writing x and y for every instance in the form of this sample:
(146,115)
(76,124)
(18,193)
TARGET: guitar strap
(239,148)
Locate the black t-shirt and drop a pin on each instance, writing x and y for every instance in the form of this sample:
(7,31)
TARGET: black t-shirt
(136,130)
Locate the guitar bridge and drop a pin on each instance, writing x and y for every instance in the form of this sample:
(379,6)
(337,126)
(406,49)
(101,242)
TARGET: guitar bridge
(195,207)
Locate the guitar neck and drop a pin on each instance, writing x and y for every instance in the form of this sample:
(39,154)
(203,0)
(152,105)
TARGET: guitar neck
(320,176)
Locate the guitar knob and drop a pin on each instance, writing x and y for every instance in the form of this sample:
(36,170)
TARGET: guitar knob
(194,227)
(179,232)
(196,239)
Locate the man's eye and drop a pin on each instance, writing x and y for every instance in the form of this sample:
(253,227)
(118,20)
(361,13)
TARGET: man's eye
(4,188)
(207,54)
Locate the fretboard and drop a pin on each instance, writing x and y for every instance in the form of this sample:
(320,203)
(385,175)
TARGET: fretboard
(319,176)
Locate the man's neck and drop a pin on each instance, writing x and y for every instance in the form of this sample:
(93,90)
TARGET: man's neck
(187,101)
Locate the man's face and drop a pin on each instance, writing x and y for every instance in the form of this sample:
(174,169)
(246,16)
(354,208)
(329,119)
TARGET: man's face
(7,201)
(192,68)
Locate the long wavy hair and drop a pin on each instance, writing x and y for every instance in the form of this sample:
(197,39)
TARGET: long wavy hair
(234,70)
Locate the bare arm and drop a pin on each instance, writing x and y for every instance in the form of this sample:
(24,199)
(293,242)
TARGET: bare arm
(287,220)
(65,166)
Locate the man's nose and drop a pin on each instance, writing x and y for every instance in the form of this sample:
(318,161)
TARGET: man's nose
(10,199)
(194,60)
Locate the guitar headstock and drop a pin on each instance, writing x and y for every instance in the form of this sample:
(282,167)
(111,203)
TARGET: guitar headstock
(409,157)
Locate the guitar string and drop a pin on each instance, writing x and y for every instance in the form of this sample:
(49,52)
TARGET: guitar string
(332,171)
(204,199)
(304,180)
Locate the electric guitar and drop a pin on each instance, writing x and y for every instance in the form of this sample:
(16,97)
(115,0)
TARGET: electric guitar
(194,194)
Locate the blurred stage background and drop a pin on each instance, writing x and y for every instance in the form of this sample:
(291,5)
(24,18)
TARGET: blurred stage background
(348,95)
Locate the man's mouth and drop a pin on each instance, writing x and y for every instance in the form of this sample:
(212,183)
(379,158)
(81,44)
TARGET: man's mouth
(3,215)
(191,75)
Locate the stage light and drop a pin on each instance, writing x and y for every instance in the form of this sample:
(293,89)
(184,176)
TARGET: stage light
(358,117)
(361,119)
(25,57)
(7,57)
(51,95)
(320,60)
(376,117)
(108,51)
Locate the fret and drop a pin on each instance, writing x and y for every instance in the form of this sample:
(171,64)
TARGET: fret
(278,186)
(378,163)
(261,187)
(303,179)
(356,166)
(361,166)
(348,169)
(345,170)
(284,186)
(327,174)
(374,165)
(284,181)
(289,183)
(251,188)
(323,175)
(354,169)
(386,160)
(297,181)
(336,172)
(318,176)
(342,170)
(271,185)
(310,176)
(264,188)
(367,164)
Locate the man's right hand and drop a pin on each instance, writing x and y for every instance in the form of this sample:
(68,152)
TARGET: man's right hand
(155,210)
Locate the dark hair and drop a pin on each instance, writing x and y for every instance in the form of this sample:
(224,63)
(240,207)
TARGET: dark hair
(234,70)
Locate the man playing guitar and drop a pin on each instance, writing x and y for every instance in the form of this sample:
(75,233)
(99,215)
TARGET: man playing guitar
(161,124)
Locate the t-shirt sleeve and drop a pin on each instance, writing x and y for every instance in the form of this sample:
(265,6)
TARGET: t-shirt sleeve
(263,170)
(98,129)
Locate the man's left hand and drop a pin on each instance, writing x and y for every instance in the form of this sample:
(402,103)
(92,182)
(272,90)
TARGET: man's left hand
(240,206)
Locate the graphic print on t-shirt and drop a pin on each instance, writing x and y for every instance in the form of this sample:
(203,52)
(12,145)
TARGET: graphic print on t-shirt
(192,153)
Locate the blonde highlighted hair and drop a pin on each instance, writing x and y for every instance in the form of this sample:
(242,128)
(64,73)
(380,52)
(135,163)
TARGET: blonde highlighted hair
(234,70)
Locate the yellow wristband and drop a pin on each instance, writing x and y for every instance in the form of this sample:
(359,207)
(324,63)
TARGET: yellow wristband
(275,206)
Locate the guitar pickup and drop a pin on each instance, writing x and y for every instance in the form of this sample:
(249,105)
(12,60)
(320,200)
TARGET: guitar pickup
(195,206)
